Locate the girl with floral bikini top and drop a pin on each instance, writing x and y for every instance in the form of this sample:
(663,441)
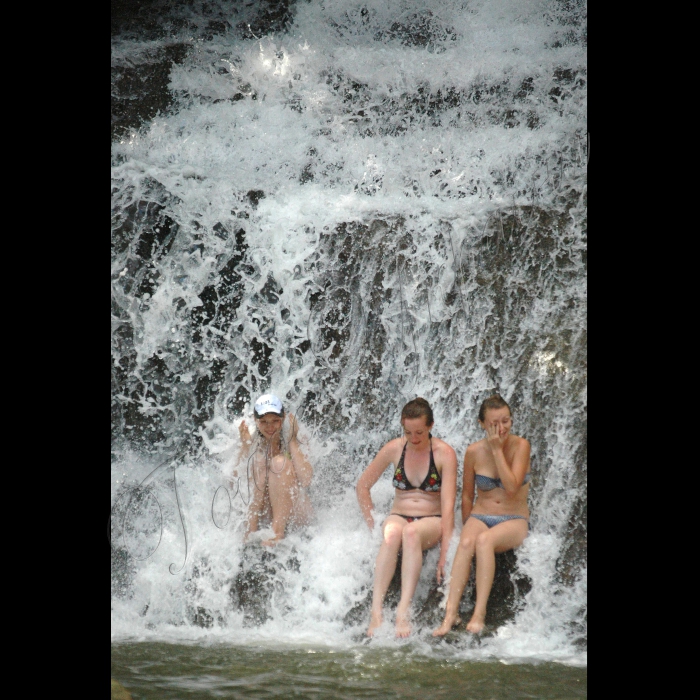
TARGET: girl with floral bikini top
(421,516)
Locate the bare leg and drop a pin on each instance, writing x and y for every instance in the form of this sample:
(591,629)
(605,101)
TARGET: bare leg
(259,507)
(282,486)
(384,567)
(461,566)
(302,509)
(417,536)
(500,538)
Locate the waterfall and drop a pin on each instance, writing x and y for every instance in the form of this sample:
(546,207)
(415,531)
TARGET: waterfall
(348,203)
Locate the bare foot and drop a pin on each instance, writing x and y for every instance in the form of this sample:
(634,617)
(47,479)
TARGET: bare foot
(270,543)
(403,626)
(476,624)
(448,623)
(375,622)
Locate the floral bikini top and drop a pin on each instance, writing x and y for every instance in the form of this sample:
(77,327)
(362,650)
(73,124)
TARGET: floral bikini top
(432,481)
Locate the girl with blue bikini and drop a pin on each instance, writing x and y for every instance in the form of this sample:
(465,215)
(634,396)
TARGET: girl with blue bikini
(422,514)
(499,466)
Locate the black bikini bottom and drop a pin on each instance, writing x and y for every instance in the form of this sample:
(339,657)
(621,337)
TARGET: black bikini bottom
(411,518)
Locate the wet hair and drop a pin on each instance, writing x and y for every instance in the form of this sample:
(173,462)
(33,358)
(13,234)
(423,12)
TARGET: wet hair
(495,401)
(417,408)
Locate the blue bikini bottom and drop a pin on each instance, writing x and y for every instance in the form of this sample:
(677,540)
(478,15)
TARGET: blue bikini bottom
(491,520)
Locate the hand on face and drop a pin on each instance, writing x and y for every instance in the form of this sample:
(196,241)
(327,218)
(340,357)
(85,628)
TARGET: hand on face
(497,424)
(493,437)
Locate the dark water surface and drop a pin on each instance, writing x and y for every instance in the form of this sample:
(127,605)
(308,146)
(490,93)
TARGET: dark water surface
(162,671)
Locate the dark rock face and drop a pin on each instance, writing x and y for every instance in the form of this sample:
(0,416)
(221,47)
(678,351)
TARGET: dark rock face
(140,91)
(140,88)
(122,572)
(257,580)
(154,19)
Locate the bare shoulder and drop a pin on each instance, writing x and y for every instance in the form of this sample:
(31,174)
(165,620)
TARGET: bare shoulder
(392,449)
(520,443)
(444,454)
(442,448)
(476,448)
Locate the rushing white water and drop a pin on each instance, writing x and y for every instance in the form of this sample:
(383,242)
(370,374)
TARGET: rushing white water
(386,200)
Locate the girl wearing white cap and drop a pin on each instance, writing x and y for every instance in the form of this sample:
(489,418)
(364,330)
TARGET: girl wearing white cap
(278,471)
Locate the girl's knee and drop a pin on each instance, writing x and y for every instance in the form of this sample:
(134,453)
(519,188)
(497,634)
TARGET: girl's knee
(393,536)
(484,541)
(280,464)
(466,543)
(410,534)
(281,469)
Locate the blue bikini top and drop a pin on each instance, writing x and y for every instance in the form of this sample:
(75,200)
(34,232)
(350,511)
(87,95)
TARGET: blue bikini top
(486,483)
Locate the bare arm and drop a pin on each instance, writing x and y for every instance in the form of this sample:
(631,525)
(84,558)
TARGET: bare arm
(244,452)
(369,478)
(511,475)
(468,483)
(448,494)
(257,502)
(303,469)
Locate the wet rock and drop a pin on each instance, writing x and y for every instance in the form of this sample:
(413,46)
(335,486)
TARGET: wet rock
(140,91)
(579,629)
(202,617)
(419,29)
(196,613)
(258,579)
(271,16)
(159,19)
(254,196)
(575,551)
(141,226)
(122,572)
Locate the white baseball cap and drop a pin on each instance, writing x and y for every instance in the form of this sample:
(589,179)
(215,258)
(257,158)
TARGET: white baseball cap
(268,403)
